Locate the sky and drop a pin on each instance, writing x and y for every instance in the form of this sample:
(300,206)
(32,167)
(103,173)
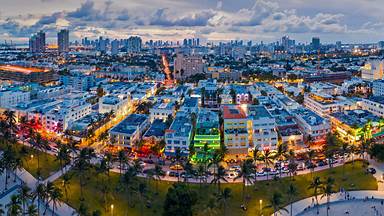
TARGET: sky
(349,21)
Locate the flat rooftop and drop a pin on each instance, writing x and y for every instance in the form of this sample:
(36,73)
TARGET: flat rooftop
(234,112)
(356,118)
(129,125)
(20,69)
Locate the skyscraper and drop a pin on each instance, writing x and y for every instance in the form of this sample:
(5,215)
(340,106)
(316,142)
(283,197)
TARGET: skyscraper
(115,47)
(134,44)
(63,41)
(315,43)
(37,42)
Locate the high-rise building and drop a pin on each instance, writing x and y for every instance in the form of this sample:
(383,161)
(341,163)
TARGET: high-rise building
(316,43)
(37,42)
(115,47)
(134,44)
(373,70)
(63,41)
(102,45)
(185,66)
(287,43)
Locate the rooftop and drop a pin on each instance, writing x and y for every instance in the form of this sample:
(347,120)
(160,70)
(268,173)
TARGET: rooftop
(130,124)
(157,129)
(355,118)
(20,69)
(234,112)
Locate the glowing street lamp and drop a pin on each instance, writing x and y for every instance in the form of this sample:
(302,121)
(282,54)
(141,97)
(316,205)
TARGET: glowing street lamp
(112,206)
(261,207)
(31,156)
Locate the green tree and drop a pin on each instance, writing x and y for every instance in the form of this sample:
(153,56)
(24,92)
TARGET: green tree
(223,198)
(316,185)
(292,193)
(328,190)
(14,206)
(218,177)
(245,174)
(276,203)
(179,201)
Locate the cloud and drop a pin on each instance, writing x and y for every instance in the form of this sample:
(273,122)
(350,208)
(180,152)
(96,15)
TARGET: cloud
(163,17)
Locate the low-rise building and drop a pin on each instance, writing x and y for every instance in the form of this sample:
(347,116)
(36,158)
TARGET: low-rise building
(324,104)
(179,134)
(374,105)
(378,88)
(10,98)
(207,129)
(162,111)
(129,132)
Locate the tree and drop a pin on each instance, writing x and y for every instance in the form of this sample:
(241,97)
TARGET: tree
(179,200)
(292,193)
(40,193)
(255,158)
(141,191)
(63,156)
(32,211)
(276,203)
(245,173)
(344,150)
(82,165)
(66,182)
(267,157)
(223,198)
(14,206)
(281,154)
(311,154)
(316,185)
(55,195)
(218,177)
(24,196)
(328,190)
(157,173)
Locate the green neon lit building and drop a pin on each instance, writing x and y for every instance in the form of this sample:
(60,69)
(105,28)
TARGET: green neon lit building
(207,130)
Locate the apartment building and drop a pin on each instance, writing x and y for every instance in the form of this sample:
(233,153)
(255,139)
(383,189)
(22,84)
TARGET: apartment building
(324,104)
(162,111)
(179,134)
(207,129)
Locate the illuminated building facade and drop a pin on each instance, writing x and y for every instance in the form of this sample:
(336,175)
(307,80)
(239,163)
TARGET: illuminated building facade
(207,130)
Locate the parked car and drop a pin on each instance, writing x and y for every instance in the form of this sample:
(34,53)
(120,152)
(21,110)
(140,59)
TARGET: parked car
(176,167)
(371,170)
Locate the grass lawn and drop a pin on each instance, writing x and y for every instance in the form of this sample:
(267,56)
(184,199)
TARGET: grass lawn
(48,164)
(356,179)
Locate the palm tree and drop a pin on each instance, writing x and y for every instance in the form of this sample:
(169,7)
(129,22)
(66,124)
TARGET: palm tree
(328,190)
(7,159)
(224,198)
(40,193)
(122,158)
(281,154)
(344,150)
(255,157)
(267,157)
(276,203)
(292,193)
(128,180)
(10,119)
(82,165)
(66,182)
(63,156)
(55,196)
(32,211)
(188,169)
(217,158)
(142,190)
(311,154)
(245,173)
(24,195)
(218,177)
(316,185)
(157,173)
(14,206)
(49,188)
(200,173)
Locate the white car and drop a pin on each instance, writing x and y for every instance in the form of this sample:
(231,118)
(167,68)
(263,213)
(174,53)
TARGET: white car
(231,175)
(261,173)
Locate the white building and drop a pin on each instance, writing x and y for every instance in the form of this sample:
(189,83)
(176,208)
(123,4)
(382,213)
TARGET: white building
(374,105)
(185,66)
(10,98)
(129,132)
(118,104)
(179,134)
(372,70)
(162,111)
(324,104)
(378,88)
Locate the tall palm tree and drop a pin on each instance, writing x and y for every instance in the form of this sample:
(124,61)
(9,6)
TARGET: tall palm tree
(14,206)
(142,190)
(66,183)
(217,158)
(267,157)
(188,169)
(218,177)
(200,173)
(49,188)
(223,198)
(7,159)
(82,165)
(32,211)
(123,159)
(128,180)
(24,196)
(311,154)
(328,190)
(63,156)
(40,193)
(245,173)
(55,196)
(316,185)
(292,193)
(344,150)
(255,158)
(276,203)
(281,154)
(157,173)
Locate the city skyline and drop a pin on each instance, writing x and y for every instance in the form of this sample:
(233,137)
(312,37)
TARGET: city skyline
(256,20)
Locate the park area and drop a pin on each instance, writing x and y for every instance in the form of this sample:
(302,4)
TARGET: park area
(108,194)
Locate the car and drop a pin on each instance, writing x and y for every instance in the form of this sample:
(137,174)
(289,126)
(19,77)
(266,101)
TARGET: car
(285,170)
(273,172)
(321,163)
(173,174)
(176,167)
(231,175)
(235,168)
(261,173)
(371,170)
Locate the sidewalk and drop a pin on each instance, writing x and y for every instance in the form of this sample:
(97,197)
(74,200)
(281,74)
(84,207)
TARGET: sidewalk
(300,206)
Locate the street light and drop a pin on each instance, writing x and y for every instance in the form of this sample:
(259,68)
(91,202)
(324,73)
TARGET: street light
(112,209)
(261,207)
(31,156)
